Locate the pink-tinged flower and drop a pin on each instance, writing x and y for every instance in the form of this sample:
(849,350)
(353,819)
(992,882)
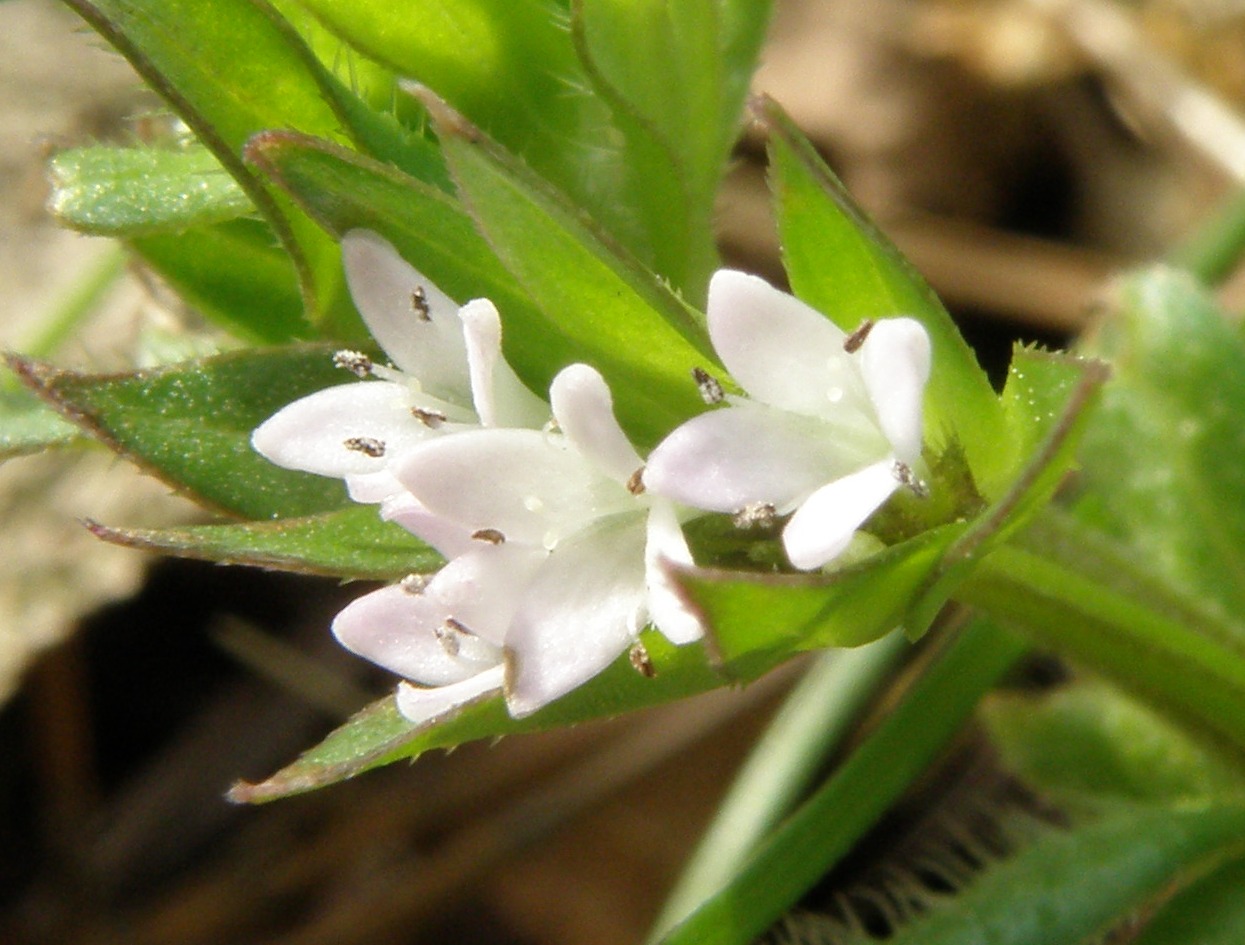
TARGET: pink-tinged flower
(448,374)
(567,568)
(831,427)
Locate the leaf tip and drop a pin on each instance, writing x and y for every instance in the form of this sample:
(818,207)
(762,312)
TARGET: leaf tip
(447,121)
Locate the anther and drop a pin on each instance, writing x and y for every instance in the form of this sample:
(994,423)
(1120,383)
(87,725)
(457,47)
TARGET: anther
(755,515)
(449,634)
(414,584)
(635,483)
(419,304)
(908,479)
(640,660)
(356,362)
(367,445)
(710,390)
(852,343)
(491,535)
(429,418)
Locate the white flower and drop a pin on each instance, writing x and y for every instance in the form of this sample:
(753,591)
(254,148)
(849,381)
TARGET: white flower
(831,428)
(449,375)
(567,568)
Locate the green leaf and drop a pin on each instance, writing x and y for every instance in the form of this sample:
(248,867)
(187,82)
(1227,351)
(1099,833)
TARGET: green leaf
(344,191)
(134,191)
(860,603)
(675,76)
(511,69)
(1074,885)
(379,735)
(231,68)
(609,311)
(1212,909)
(1162,462)
(30,426)
(190,424)
(234,275)
(843,266)
(1132,628)
(1047,402)
(353,543)
(1088,738)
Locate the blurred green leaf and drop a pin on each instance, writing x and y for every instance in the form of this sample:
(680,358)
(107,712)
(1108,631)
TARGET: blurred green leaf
(906,739)
(1163,469)
(134,191)
(1133,628)
(843,266)
(1075,885)
(614,314)
(235,275)
(675,76)
(379,735)
(1210,912)
(353,543)
(27,425)
(1087,738)
(190,424)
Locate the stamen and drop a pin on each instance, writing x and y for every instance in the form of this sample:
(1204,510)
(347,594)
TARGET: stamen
(710,390)
(419,304)
(857,338)
(908,479)
(635,483)
(429,418)
(414,584)
(755,515)
(367,445)
(491,535)
(356,362)
(450,633)
(640,660)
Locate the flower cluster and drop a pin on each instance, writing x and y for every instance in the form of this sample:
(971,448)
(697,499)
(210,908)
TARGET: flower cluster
(559,537)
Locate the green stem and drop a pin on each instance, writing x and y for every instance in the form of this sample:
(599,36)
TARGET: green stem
(810,725)
(82,300)
(826,826)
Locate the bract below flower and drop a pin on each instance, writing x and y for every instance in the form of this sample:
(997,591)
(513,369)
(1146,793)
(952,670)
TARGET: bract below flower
(570,563)
(448,374)
(831,428)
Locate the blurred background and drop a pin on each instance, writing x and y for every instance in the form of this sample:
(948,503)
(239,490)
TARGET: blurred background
(1020,151)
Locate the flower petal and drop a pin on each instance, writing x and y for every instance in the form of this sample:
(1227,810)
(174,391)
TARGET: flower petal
(398,630)
(313,433)
(823,526)
(448,537)
(584,410)
(450,628)
(530,485)
(584,607)
(726,459)
(895,364)
(499,396)
(780,350)
(424,706)
(428,346)
(666,608)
